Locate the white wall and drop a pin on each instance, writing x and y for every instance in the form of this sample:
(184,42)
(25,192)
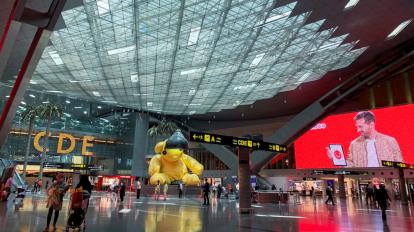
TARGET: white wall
(279,182)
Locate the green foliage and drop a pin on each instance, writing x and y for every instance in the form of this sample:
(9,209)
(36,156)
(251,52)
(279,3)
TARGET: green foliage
(49,110)
(164,128)
(29,113)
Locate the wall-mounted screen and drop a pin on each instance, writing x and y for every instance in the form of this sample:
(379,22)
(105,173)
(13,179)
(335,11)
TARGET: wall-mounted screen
(359,139)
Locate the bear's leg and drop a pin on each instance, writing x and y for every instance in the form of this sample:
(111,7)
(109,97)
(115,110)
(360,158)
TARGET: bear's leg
(191,179)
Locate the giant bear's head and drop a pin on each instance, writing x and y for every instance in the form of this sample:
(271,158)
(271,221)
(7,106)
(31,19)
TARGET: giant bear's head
(173,148)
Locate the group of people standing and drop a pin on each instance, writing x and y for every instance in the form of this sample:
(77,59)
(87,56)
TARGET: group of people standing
(56,192)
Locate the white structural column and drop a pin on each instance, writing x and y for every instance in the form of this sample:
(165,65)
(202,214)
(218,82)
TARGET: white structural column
(139,164)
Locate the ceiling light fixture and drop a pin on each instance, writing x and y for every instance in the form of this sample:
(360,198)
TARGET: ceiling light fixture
(134,77)
(244,87)
(277,17)
(55,57)
(351,4)
(110,102)
(121,50)
(54,91)
(33,82)
(149,103)
(32,96)
(78,107)
(194,34)
(23,103)
(67,102)
(96,93)
(191,71)
(140,94)
(191,92)
(99,107)
(46,102)
(78,81)
(399,28)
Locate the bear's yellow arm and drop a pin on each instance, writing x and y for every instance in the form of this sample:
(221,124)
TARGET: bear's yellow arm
(154,165)
(193,164)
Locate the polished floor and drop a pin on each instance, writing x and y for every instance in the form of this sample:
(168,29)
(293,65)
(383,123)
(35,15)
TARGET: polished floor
(145,214)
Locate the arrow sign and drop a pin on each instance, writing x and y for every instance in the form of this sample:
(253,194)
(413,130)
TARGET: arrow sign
(201,137)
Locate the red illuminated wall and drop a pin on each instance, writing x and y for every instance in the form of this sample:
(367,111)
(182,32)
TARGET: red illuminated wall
(397,122)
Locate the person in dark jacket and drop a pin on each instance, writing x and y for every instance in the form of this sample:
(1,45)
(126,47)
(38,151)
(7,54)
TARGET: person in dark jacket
(122,191)
(382,197)
(85,184)
(206,191)
(219,190)
(329,194)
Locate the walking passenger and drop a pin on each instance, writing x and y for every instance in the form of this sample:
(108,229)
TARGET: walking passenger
(122,191)
(157,191)
(329,194)
(206,191)
(383,199)
(165,191)
(55,194)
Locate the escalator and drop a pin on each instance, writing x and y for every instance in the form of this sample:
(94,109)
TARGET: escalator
(7,169)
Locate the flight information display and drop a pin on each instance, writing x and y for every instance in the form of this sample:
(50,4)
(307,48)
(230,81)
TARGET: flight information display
(202,137)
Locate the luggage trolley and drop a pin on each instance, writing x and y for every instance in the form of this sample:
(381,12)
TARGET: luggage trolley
(78,207)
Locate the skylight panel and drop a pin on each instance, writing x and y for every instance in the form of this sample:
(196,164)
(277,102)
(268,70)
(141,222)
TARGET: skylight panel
(56,58)
(121,50)
(351,4)
(103,7)
(257,60)
(194,34)
(304,76)
(399,28)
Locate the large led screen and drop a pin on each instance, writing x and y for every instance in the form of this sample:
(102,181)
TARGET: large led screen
(359,139)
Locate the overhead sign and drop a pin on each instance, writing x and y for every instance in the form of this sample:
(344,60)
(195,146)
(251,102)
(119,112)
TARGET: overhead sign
(202,137)
(91,167)
(387,163)
(332,172)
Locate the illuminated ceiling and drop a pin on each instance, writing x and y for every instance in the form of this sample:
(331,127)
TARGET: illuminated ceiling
(188,57)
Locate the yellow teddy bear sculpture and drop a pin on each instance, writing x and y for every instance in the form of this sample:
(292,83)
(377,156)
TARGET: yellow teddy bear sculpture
(171,163)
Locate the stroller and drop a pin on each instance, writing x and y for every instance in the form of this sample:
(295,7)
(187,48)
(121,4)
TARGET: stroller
(18,201)
(78,206)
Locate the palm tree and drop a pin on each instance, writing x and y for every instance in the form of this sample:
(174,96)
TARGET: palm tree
(164,128)
(47,111)
(29,114)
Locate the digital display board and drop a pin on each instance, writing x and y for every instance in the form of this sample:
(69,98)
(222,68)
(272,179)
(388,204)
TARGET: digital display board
(387,163)
(202,137)
(362,141)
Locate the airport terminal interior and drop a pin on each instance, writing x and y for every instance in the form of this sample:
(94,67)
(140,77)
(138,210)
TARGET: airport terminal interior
(206,115)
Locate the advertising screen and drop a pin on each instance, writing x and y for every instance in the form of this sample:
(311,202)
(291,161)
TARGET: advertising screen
(358,139)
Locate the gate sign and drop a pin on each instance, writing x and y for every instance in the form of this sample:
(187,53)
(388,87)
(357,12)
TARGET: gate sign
(387,163)
(202,137)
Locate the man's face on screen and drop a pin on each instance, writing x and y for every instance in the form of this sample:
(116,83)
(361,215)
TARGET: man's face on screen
(363,128)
